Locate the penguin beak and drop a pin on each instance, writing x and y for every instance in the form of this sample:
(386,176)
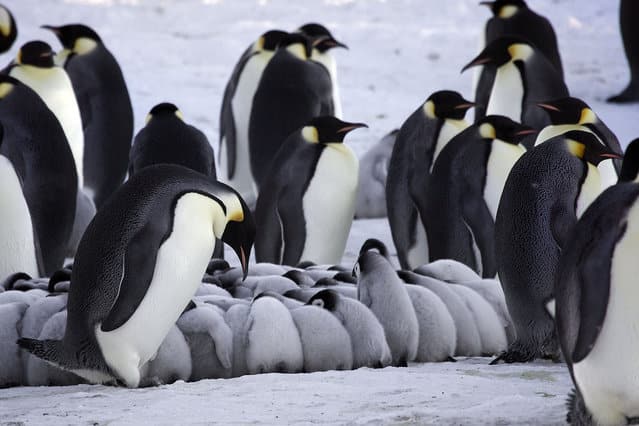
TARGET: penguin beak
(548,107)
(526,132)
(479,60)
(351,126)
(612,155)
(487,3)
(465,106)
(55,30)
(240,236)
(332,43)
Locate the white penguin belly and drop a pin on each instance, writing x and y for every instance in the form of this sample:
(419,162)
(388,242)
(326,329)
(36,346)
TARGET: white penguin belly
(54,87)
(180,265)
(507,94)
(590,189)
(501,160)
(16,232)
(608,377)
(450,129)
(328,61)
(418,253)
(329,204)
(241,105)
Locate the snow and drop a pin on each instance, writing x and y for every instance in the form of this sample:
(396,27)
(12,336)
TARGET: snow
(400,52)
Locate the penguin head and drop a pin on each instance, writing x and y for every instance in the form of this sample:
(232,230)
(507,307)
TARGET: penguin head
(326,299)
(36,53)
(569,111)
(322,36)
(298,44)
(503,128)
(164,109)
(269,41)
(77,38)
(239,232)
(374,244)
(505,9)
(328,129)
(587,147)
(446,104)
(372,258)
(501,51)
(630,166)
(8,29)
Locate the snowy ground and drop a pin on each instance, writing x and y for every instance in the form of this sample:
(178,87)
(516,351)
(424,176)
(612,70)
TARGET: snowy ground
(400,52)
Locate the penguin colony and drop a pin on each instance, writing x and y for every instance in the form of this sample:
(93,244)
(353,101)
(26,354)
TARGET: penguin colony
(516,232)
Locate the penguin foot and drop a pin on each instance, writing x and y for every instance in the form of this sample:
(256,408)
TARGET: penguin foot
(149,382)
(577,412)
(512,355)
(629,94)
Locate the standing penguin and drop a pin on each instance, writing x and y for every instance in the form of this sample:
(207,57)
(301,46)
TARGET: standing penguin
(323,42)
(523,76)
(465,186)
(547,190)
(514,17)
(293,89)
(233,155)
(628,14)
(44,176)
(596,316)
(158,230)
(105,108)
(419,141)
(8,29)
(306,206)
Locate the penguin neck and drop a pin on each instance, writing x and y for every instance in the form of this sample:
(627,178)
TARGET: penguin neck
(298,51)
(448,130)
(553,130)
(507,93)
(502,158)
(591,187)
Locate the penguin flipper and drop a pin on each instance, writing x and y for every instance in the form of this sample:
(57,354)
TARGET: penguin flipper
(477,215)
(47,350)
(227,131)
(291,211)
(268,240)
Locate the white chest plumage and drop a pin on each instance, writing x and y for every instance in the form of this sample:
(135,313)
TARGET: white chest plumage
(608,377)
(590,189)
(450,129)
(16,232)
(328,61)
(507,94)
(180,265)
(502,158)
(329,204)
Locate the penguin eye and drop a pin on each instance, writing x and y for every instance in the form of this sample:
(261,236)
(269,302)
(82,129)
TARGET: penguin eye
(318,302)
(356,270)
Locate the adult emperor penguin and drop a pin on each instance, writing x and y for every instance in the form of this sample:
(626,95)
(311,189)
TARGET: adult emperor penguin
(596,320)
(523,76)
(314,169)
(547,190)
(8,29)
(233,155)
(157,230)
(514,17)
(323,42)
(293,89)
(628,14)
(419,141)
(38,168)
(105,108)
(574,114)
(465,186)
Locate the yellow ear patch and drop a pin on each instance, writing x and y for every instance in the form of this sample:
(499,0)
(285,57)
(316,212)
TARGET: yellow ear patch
(298,50)
(84,45)
(576,148)
(148,118)
(236,216)
(429,109)
(5,89)
(587,116)
(258,45)
(310,134)
(179,114)
(507,11)
(487,131)
(520,51)
(5,22)
(19,57)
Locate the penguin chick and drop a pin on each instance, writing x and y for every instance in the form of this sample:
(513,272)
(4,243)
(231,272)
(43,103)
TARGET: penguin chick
(12,372)
(171,363)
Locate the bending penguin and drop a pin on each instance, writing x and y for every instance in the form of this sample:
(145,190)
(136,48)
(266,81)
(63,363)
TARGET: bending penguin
(595,293)
(315,170)
(419,141)
(159,229)
(233,154)
(8,29)
(547,190)
(105,108)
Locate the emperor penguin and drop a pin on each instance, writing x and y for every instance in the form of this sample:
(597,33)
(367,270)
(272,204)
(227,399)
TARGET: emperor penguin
(380,289)
(514,17)
(574,114)
(323,43)
(8,29)
(547,191)
(523,76)
(105,108)
(38,167)
(370,348)
(157,230)
(315,169)
(293,90)
(465,187)
(233,154)
(419,142)
(628,14)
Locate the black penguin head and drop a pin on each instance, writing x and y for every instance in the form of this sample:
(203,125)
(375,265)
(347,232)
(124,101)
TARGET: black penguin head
(239,233)
(588,147)
(321,36)
(446,104)
(505,9)
(569,111)
(78,38)
(164,109)
(328,129)
(8,29)
(269,41)
(374,244)
(501,51)
(298,45)
(504,129)
(630,165)
(36,53)
(326,299)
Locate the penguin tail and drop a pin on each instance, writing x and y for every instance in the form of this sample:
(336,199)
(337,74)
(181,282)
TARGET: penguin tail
(48,350)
